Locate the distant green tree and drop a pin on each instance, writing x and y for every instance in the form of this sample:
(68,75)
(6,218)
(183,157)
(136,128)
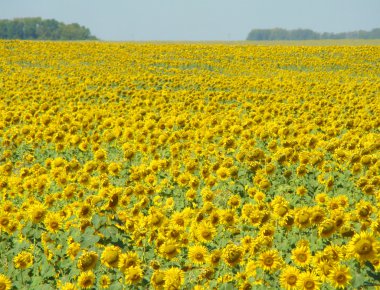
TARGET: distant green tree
(37,28)
(307,34)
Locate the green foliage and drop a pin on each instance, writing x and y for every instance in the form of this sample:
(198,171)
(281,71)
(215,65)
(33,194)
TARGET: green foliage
(42,29)
(307,34)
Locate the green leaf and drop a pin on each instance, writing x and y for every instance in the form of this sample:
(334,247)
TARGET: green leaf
(89,238)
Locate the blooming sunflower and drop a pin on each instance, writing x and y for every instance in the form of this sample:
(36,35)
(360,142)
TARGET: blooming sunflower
(205,232)
(53,222)
(169,249)
(133,275)
(68,286)
(23,260)
(86,280)
(110,256)
(5,282)
(301,256)
(198,254)
(308,281)
(87,261)
(214,258)
(104,282)
(340,276)
(363,246)
(127,260)
(232,254)
(158,279)
(270,260)
(174,278)
(289,277)
(37,213)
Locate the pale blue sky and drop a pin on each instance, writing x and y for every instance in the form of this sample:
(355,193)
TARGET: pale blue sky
(198,19)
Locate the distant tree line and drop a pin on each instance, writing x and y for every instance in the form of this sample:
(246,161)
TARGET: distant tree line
(306,34)
(43,29)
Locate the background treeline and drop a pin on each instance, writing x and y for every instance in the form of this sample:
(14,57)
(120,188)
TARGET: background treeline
(306,34)
(37,28)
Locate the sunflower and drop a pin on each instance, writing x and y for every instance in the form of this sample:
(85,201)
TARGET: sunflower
(364,246)
(270,260)
(68,286)
(198,254)
(5,219)
(301,256)
(318,215)
(308,281)
(127,260)
(289,277)
(23,260)
(174,278)
(303,217)
(73,250)
(87,261)
(340,276)
(223,173)
(86,280)
(250,269)
(104,282)
(214,258)
(85,211)
(326,228)
(133,275)
(110,256)
(158,279)
(169,249)
(321,198)
(234,201)
(205,232)
(5,282)
(37,213)
(53,222)
(232,254)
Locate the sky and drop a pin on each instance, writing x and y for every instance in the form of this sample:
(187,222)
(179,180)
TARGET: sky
(198,20)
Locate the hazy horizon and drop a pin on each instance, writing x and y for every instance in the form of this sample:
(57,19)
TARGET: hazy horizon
(197,20)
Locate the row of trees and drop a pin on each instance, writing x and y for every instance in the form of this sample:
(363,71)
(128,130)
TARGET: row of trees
(306,34)
(37,28)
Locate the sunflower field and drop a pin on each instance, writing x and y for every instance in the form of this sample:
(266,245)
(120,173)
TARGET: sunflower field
(189,166)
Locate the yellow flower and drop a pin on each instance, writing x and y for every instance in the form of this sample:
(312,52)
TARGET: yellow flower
(86,280)
(169,249)
(340,276)
(23,260)
(53,222)
(198,254)
(223,173)
(5,282)
(104,282)
(73,250)
(270,260)
(289,277)
(87,261)
(232,254)
(110,256)
(68,286)
(127,260)
(205,232)
(37,213)
(133,275)
(308,281)
(364,246)
(174,278)
(301,256)
(214,258)
(158,279)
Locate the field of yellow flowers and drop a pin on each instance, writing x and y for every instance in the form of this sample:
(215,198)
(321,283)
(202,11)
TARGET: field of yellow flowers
(189,166)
